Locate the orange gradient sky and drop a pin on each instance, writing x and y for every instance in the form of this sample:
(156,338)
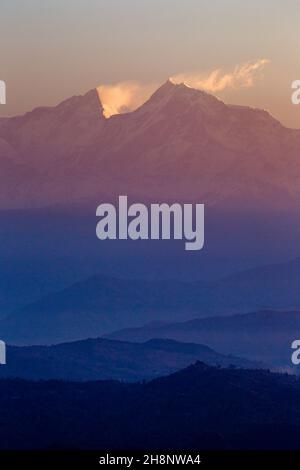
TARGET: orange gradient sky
(244,53)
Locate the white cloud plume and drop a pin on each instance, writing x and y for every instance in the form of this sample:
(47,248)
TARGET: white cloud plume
(242,76)
(124,97)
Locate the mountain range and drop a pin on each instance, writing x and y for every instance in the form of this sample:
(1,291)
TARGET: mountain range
(265,335)
(181,144)
(59,285)
(58,163)
(104,359)
(99,305)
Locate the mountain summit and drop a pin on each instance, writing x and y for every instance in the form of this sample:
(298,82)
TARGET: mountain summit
(182,143)
(185,97)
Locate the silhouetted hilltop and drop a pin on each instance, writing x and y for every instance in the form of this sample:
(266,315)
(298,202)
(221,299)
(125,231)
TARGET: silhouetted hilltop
(200,407)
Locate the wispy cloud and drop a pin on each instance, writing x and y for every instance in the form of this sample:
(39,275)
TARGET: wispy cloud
(124,97)
(243,76)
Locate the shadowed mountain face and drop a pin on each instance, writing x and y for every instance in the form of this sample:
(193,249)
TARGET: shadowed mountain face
(218,408)
(103,359)
(262,336)
(182,143)
(45,145)
(100,305)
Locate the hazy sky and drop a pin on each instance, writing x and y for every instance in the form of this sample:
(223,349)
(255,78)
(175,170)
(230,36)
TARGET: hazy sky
(52,49)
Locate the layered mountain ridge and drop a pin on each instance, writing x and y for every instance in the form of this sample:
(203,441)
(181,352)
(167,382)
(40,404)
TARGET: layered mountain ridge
(102,359)
(100,305)
(181,144)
